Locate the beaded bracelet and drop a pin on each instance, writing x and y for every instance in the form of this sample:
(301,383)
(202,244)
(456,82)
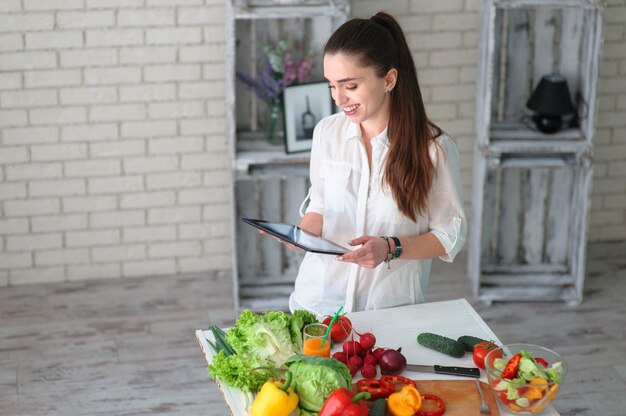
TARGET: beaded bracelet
(389,253)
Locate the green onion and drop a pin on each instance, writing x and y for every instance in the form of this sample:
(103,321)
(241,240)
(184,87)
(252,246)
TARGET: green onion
(221,344)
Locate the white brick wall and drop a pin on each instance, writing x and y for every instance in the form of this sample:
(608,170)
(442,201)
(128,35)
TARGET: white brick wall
(104,111)
(113,157)
(608,209)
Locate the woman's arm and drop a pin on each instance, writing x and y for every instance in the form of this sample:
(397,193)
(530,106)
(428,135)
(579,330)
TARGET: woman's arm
(374,250)
(312,222)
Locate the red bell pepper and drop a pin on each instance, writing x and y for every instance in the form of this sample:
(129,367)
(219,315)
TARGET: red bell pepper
(510,371)
(439,409)
(395,383)
(343,402)
(375,388)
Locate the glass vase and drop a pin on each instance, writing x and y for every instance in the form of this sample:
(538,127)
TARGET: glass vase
(275,125)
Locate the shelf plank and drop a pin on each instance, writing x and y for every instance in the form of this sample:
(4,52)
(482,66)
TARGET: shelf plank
(528,293)
(537,146)
(330,8)
(247,159)
(534,279)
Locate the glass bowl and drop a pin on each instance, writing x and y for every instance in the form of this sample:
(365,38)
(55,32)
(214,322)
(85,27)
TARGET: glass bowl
(533,386)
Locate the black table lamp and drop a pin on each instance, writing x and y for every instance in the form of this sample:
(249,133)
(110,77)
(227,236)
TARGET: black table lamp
(550,101)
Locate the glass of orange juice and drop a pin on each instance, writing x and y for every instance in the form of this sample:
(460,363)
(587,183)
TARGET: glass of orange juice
(312,340)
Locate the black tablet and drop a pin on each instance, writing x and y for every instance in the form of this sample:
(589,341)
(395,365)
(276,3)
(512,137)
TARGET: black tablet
(298,237)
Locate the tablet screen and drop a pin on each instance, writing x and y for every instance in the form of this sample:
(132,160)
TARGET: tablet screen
(298,237)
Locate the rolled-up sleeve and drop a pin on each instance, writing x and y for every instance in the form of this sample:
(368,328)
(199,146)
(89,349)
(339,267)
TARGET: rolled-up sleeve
(446,215)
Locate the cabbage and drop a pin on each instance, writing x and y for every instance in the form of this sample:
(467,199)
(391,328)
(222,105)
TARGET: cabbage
(315,378)
(554,372)
(528,369)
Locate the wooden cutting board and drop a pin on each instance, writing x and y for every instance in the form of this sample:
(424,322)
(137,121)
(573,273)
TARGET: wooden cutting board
(460,396)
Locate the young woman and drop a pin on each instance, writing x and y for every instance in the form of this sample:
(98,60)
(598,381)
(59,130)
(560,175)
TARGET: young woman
(384,179)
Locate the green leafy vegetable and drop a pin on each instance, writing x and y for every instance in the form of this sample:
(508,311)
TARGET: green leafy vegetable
(555,372)
(266,337)
(238,371)
(255,341)
(315,378)
(299,319)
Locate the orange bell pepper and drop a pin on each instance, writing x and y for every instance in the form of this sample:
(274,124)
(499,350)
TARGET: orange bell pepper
(405,402)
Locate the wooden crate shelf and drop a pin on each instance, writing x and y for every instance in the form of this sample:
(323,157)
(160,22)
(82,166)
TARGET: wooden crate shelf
(531,191)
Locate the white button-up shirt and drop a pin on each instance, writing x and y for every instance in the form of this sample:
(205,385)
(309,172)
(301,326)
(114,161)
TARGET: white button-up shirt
(349,195)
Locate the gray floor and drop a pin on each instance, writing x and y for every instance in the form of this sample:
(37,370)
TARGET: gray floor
(127,347)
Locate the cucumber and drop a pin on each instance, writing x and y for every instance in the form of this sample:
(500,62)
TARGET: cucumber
(470,342)
(442,344)
(379,408)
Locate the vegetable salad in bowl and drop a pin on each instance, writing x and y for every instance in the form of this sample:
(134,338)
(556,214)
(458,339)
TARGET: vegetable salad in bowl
(524,377)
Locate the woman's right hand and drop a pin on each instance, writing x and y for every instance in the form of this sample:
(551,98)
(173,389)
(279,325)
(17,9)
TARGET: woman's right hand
(373,251)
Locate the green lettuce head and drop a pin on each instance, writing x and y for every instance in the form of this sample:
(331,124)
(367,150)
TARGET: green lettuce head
(315,378)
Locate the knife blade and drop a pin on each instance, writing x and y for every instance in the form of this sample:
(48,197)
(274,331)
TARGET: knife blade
(472,372)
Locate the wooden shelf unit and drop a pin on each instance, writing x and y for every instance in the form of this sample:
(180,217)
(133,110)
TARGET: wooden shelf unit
(531,191)
(267,182)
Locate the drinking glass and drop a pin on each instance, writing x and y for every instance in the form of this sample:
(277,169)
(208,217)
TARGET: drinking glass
(312,340)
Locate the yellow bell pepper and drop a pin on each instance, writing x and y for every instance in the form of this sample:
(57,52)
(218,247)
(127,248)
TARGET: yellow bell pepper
(275,399)
(535,388)
(405,402)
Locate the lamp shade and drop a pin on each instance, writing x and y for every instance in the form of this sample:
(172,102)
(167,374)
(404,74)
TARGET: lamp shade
(551,97)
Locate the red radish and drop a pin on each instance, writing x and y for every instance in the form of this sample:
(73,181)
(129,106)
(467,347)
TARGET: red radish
(392,362)
(353,369)
(378,352)
(340,356)
(352,348)
(368,371)
(356,360)
(367,340)
(370,359)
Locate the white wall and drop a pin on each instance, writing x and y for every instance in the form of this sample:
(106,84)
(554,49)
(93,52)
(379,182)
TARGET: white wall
(113,161)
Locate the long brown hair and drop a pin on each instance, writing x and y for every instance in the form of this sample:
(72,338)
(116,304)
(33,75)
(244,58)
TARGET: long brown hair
(379,43)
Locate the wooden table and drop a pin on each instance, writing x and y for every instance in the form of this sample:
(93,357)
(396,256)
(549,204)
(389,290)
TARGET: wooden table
(398,327)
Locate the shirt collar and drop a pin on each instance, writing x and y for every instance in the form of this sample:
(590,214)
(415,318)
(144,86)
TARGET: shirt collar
(353,132)
(382,138)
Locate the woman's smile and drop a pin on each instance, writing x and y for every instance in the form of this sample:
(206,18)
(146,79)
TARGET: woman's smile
(350,109)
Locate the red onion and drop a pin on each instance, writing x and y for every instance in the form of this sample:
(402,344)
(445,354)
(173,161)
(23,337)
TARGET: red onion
(392,362)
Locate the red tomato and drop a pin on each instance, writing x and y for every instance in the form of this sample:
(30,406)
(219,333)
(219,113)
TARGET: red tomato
(341,330)
(480,352)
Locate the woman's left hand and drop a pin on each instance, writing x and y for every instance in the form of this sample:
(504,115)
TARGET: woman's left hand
(373,251)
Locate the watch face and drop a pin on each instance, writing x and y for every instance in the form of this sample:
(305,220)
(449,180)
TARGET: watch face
(398,251)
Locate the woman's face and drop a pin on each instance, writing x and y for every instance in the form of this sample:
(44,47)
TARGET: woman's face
(357,89)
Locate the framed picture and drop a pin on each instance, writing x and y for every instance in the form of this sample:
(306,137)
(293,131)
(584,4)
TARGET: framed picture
(305,105)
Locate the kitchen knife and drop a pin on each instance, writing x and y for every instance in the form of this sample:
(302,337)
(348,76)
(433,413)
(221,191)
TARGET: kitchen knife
(439,369)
